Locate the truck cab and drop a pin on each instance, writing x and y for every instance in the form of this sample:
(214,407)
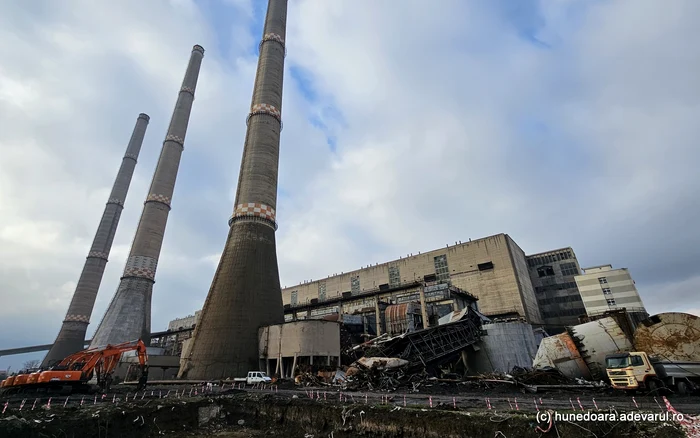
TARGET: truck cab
(631,371)
(638,370)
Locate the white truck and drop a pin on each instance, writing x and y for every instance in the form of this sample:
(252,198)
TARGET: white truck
(253,378)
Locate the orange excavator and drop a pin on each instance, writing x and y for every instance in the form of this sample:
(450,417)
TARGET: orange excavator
(74,373)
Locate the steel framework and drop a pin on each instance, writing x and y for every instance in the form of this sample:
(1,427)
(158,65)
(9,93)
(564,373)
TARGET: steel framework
(425,347)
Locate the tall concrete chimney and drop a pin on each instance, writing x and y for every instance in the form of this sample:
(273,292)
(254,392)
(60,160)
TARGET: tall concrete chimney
(245,293)
(128,316)
(71,337)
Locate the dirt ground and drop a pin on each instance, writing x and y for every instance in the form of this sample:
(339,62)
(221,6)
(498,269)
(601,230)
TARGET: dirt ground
(184,411)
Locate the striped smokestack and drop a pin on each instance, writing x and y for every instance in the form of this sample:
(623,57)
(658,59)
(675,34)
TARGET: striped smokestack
(128,316)
(71,337)
(245,293)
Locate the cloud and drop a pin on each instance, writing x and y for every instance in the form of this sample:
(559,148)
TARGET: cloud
(560,123)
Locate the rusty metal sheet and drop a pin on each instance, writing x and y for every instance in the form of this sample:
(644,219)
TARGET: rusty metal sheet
(560,352)
(399,317)
(597,339)
(671,336)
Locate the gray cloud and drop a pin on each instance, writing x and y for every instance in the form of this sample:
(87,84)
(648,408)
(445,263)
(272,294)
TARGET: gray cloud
(573,125)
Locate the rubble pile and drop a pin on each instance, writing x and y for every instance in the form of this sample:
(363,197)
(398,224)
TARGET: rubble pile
(384,374)
(391,374)
(550,376)
(532,380)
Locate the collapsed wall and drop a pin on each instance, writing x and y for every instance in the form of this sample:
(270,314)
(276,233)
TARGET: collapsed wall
(504,346)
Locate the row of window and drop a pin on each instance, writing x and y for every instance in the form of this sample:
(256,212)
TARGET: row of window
(355,284)
(558,286)
(550,258)
(394,276)
(566,269)
(569,269)
(558,300)
(321,290)
(442,275)
(442,271)
(564,312)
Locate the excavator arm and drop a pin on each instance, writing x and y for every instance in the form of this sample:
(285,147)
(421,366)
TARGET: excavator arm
(100,361)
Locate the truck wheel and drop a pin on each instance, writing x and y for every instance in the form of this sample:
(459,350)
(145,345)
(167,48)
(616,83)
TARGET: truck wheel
(682,388)
(652,385)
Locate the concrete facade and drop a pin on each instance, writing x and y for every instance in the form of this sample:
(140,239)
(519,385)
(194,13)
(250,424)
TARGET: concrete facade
(372,308)
(245,291)
(604,288)
(504,346)
(71,337)
(284,347)
(128,316)
(552,274)
(187,321)
(493,268)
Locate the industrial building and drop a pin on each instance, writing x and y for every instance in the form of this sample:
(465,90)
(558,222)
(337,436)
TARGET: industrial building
(603,289)
(552,274)
(494,269)
(393,310)
(188,321)
(285,348)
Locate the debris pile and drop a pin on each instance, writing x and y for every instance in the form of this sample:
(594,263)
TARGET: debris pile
(532,380)
(382,373)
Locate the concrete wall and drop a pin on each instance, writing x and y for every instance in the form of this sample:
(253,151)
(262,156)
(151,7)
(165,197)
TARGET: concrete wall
(558,297)
(503,289)
(602,283)
(506,345)
(527,292)
(185,322)
(300,338)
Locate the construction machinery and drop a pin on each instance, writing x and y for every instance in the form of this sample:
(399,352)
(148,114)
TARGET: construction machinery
(666,356)
(75,372)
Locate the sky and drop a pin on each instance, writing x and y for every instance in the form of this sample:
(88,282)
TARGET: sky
(559,122)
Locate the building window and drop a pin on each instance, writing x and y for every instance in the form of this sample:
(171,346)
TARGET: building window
(611,301)
(603,280)
(294,298)
(355,284)
(442,271)
(394,276)
(545,271)
(606,291)
(569,269)
(485,266)
(321,290)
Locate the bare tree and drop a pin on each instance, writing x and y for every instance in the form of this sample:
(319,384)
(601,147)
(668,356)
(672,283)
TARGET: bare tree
(34,363)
